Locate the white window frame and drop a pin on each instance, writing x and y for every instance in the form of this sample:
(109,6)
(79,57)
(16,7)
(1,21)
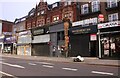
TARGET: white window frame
(113,17)
(83,10)
(95,5)
(112,3)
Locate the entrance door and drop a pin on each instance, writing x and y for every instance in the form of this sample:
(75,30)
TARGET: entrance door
(92,48)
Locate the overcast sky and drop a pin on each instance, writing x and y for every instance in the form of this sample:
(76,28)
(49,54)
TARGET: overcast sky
(12,9)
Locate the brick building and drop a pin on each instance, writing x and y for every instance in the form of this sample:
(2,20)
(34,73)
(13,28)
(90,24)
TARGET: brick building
(6,38)
(85,37)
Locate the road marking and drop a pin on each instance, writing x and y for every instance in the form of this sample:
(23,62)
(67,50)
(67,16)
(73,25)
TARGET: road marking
(6,74)
(32,64)
(97,72)
(45,63)
(70,69)
(12,65)
(47,66)
(2,59)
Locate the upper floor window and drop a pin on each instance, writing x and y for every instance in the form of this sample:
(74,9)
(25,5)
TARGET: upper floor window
(113,17)
(38,13)
(42,12)
(95,5)
(48,20)
(55,18)
(84,9)
(111,3)
(68,2)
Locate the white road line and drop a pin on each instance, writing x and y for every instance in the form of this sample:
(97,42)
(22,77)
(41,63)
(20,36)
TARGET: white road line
(45,63)
(6,74)
(32,64)
(70,69)
(2,59)
(97,72)
(47,66)
(12,65)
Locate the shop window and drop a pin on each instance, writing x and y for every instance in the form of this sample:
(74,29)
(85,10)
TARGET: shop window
(84,9)
(112,3)
(113,17)
(95,6)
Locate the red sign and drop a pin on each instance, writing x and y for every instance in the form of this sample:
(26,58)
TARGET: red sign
(93,37)
(101,17)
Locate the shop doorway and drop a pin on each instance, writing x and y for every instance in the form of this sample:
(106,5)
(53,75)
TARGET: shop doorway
(92,48)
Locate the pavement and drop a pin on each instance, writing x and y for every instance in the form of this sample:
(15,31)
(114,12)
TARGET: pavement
(87,60)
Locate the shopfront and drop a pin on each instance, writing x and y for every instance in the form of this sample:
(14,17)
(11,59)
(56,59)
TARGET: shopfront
(40,41)
(1,43)
(9,44)
(57,40)
(110,39)
(83,41)
(24,43)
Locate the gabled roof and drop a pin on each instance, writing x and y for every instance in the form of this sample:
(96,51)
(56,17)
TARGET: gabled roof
(31,11)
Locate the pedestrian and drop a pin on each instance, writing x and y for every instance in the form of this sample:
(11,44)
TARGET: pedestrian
(59,51)
(54,51)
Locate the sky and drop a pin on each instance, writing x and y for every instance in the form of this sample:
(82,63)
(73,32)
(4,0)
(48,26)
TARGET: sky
(12,9)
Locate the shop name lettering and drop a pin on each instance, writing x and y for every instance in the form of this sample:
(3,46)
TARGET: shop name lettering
(111,24)
(40,31)
(81,31)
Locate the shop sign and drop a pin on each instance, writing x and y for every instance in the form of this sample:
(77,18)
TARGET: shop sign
(86,22)
(24,33)
(38,31)
(7,33)
(84,30)
(109,24)
(10,39)
(2,37)
(93,37)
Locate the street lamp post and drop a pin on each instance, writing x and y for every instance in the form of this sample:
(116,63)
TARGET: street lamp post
(66,27)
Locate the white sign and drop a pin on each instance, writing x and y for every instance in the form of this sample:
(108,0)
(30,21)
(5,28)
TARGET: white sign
(77,23)
(7,33)
(86,22)
(109,24)
(24,33)
(93,37)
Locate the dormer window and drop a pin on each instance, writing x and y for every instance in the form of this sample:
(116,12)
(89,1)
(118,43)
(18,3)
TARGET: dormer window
(54,5)
(42,12)
(31,14)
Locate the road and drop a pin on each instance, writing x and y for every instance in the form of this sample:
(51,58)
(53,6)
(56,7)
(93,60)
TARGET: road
(16,67)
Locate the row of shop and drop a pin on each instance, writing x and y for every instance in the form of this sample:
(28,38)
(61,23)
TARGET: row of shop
(102,40)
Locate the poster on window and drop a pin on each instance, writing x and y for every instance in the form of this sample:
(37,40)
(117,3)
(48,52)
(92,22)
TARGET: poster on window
(93,37)
(106,46)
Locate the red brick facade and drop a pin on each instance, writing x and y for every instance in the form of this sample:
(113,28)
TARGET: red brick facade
(47,14)
(7,26)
